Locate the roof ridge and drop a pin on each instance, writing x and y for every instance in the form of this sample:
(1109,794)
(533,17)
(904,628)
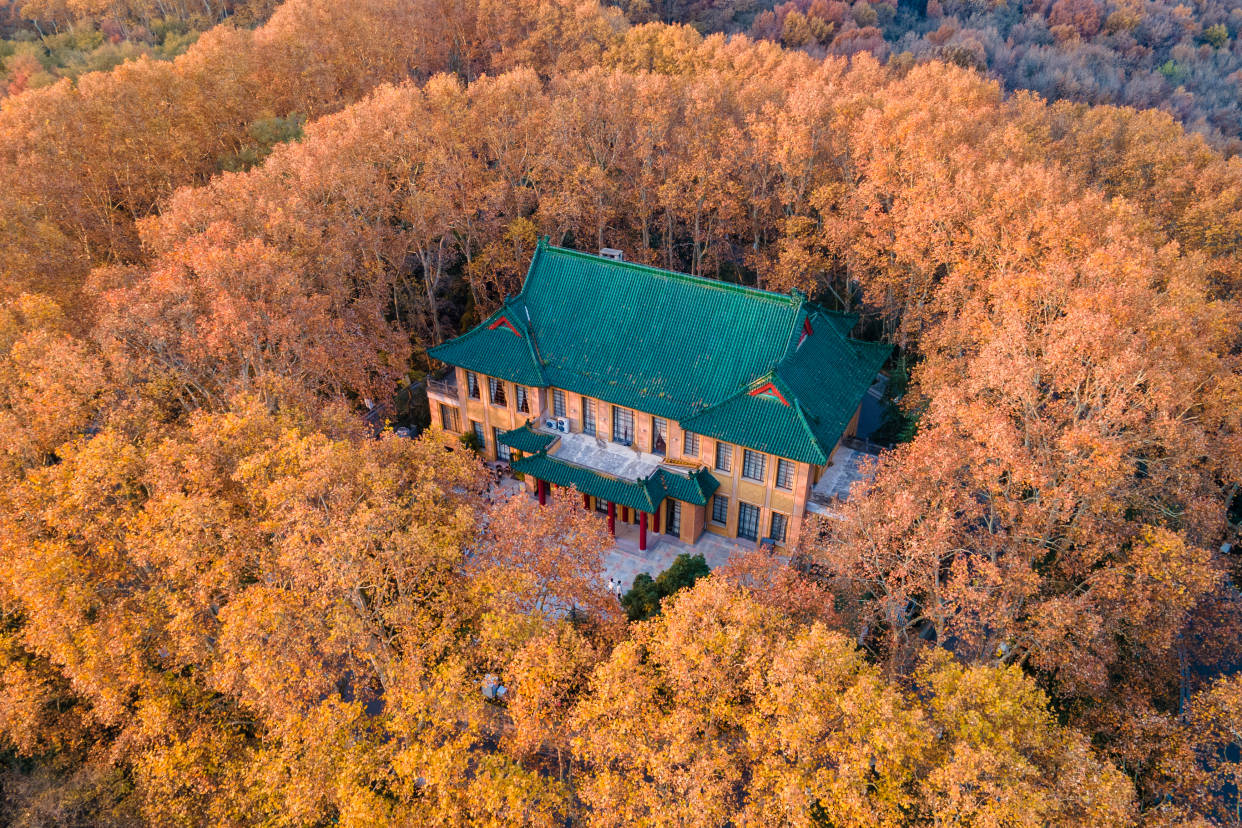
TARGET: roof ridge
(798,321)
(706,281)
(531,345)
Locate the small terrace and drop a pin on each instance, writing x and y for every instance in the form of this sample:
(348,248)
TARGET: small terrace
(600,455)
(851,464)
(445,386)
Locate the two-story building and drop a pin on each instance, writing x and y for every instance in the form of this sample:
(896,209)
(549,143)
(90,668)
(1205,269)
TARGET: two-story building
(676,402)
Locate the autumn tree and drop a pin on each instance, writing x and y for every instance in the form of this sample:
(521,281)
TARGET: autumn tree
(722,709)
(52,382)
(258,582)
(547,560)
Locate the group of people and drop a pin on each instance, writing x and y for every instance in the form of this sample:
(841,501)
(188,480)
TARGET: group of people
(616,587)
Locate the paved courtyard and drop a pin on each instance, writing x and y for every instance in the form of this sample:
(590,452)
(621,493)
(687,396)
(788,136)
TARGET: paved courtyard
(624,562)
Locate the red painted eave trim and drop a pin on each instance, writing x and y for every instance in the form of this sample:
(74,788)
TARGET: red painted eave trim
(769,388)
(504,320)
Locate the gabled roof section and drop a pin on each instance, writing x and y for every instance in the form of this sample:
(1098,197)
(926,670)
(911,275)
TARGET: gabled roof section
(694,488)
(500,346)
(766,416)
(526,439)
(829,375)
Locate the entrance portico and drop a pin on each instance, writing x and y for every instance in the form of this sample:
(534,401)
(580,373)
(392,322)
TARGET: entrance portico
(641,485)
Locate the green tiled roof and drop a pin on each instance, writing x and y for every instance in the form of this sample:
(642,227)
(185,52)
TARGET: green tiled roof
(693,488)
(525,439)
(678,346)
(493,348)
(644,495)
(823,382)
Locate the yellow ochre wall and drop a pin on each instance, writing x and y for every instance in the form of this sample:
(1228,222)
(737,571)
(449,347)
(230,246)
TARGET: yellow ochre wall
(694,519)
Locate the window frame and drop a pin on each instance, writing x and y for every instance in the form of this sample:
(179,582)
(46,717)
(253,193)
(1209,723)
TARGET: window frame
(688,438)
(480,433)
(448,417)
(496,388)
(784,466)
(672,517)
(659,434)
(720,499)
(748,518)
(521,398)
(473,391)
(588,417)
(560,407)
(727,468)
(503,452)
(784,519)
(749,458)
(628,414)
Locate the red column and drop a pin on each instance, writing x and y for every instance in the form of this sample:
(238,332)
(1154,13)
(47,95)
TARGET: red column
(642,531)
(586,501)
(612,519)
(655,521)
(543,491)
(625,514)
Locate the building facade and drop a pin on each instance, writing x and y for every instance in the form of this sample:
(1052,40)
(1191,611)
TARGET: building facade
(683,404)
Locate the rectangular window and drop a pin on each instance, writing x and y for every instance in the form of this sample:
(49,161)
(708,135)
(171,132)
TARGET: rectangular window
(724,457)
(558,402)
(754,465)
(472,385)
(784,474)
(448,417)
(622,426)
(747,521)
(779,524)
(523,401)
(502,451)
(478,433)
(691,448)
(588,416)
(720,510)
(659,436)
(496,388)
(674,516)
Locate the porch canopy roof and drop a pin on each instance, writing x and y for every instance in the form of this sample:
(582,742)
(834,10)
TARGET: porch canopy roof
(526,440)
(644,494)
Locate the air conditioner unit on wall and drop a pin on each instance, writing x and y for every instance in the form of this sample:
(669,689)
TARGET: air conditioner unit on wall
(551,425)
(562,425)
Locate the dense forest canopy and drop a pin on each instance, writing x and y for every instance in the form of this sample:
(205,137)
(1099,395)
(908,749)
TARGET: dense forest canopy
(226,602)
(1183,58)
